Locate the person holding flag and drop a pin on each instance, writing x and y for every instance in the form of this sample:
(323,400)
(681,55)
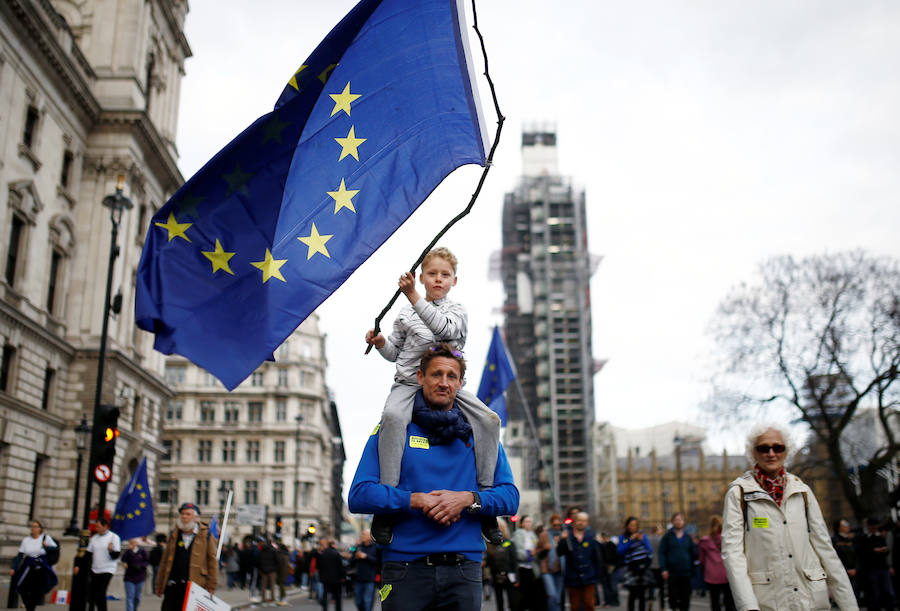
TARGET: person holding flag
(189,555)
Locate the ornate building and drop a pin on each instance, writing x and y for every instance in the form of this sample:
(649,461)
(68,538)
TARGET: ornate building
(275,441)
(90,92)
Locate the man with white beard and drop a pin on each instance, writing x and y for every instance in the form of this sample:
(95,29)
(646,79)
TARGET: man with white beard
(189,555)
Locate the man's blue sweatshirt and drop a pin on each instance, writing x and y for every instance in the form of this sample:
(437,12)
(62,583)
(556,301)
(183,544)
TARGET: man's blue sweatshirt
(424,468)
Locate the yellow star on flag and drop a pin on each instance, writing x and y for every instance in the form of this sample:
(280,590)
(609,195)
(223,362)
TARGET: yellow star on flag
(316,243)
(138,486)
(323,76)
(293,81)
(349,145)
(342,100)
(143,495)
(175,228)
(143,505)
(270,267)
(219,258)
(492,367)
(343,197)
(137,512)
(130,516)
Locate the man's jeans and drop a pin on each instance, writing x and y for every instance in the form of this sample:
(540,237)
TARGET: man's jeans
(133,595)
(414,586)
(365,592)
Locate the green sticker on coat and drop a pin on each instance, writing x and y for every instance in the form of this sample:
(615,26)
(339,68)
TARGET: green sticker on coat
(760,522)
(385,591)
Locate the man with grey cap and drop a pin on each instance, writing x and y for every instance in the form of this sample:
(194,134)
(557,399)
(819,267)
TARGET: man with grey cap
(189,555)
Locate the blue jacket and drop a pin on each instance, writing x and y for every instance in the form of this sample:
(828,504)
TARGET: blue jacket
(676,555)
(426,467)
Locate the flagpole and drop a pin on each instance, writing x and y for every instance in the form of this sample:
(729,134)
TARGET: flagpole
(224,523)
(534,436)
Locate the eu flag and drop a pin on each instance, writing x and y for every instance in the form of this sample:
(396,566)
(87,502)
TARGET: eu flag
(498,374)
(366,128)
(133,516)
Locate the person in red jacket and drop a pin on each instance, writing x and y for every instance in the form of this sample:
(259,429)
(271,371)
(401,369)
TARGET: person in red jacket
(714,576)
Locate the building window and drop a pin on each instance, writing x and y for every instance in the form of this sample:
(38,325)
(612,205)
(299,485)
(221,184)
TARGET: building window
(167,450)
(278,493)
(65,174)
(53,281)
(202,492)
(309,454)
(232,412)
(9,354)
(16,230)
(31,123)
(284,351)
(305,378)
(229,450)
(256,378)
(282,377)
(252,451)
(47,394)
(226,485)
(175,375)
(251,492)
(281,410)
(174,409)
(254,411)
(207,411)
(168,491)
(306,491)
(279,451)
(204,450)
(645,510)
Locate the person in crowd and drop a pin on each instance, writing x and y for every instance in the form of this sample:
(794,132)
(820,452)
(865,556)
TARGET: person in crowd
(874,567)
(155,556)
(551,567)
(775,544)
(526,550)
(844,542)
(190,555)
(284,571)
(135,559)
(610,559)
(710,555)
(365,560)
(635,551)
(105,547)
(501,560)
(677,554)
(32,573)
(583,563)
(658,584)
(437,545)
(232,565)
(267,563)
(331,572)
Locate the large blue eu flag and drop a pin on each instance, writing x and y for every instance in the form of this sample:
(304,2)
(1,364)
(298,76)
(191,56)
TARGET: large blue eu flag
(366,128)
(133,516)
(498,374)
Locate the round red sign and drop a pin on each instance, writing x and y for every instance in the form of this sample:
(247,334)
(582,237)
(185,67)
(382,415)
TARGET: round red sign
(102,473)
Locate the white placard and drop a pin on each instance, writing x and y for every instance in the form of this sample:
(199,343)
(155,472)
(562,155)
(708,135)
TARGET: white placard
(198,599)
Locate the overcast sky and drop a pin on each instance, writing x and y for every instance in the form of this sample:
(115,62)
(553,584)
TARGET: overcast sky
(708,136)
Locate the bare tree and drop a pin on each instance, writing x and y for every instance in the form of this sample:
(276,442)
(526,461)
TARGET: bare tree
(820,337)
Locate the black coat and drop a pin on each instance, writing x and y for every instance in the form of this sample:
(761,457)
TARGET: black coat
(330,567)
(268,559)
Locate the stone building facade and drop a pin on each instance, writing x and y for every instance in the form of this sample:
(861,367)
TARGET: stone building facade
(90,92)
(250,441)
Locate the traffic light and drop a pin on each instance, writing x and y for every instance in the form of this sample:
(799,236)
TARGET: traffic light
(310,532)
(105,434)
(278,526)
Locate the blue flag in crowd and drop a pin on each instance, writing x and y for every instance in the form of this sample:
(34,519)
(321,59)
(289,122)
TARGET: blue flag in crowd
(380,113)
(498,374)
(133,516)
(214,527)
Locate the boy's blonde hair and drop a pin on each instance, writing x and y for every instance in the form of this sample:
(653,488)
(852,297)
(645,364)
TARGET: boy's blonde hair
(443,253)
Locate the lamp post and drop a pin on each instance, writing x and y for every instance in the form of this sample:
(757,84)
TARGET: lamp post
(117,204)
(299,419)
(677,440)
(81,438)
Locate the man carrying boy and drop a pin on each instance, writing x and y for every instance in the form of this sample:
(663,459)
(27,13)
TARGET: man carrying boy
(435,555)
(426,320)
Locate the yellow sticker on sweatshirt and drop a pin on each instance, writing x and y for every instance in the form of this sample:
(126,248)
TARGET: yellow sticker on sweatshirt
(385,591)
(377,426)
(760,522)
(418,442)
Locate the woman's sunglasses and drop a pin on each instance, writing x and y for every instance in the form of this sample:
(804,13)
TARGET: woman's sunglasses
(764,449)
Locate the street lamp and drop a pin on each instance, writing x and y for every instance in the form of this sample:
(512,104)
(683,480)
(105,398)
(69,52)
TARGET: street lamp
(81,439)
(299,419)
(117,204)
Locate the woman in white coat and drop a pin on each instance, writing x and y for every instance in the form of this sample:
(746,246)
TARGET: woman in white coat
(775,545)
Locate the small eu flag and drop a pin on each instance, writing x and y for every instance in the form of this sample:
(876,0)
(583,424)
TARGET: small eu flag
(498,374)
(380,113)
(133,516)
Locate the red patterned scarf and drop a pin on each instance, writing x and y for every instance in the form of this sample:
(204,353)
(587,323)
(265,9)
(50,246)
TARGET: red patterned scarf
(773,485)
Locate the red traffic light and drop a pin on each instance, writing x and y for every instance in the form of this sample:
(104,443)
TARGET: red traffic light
(514,519)
(568,521)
